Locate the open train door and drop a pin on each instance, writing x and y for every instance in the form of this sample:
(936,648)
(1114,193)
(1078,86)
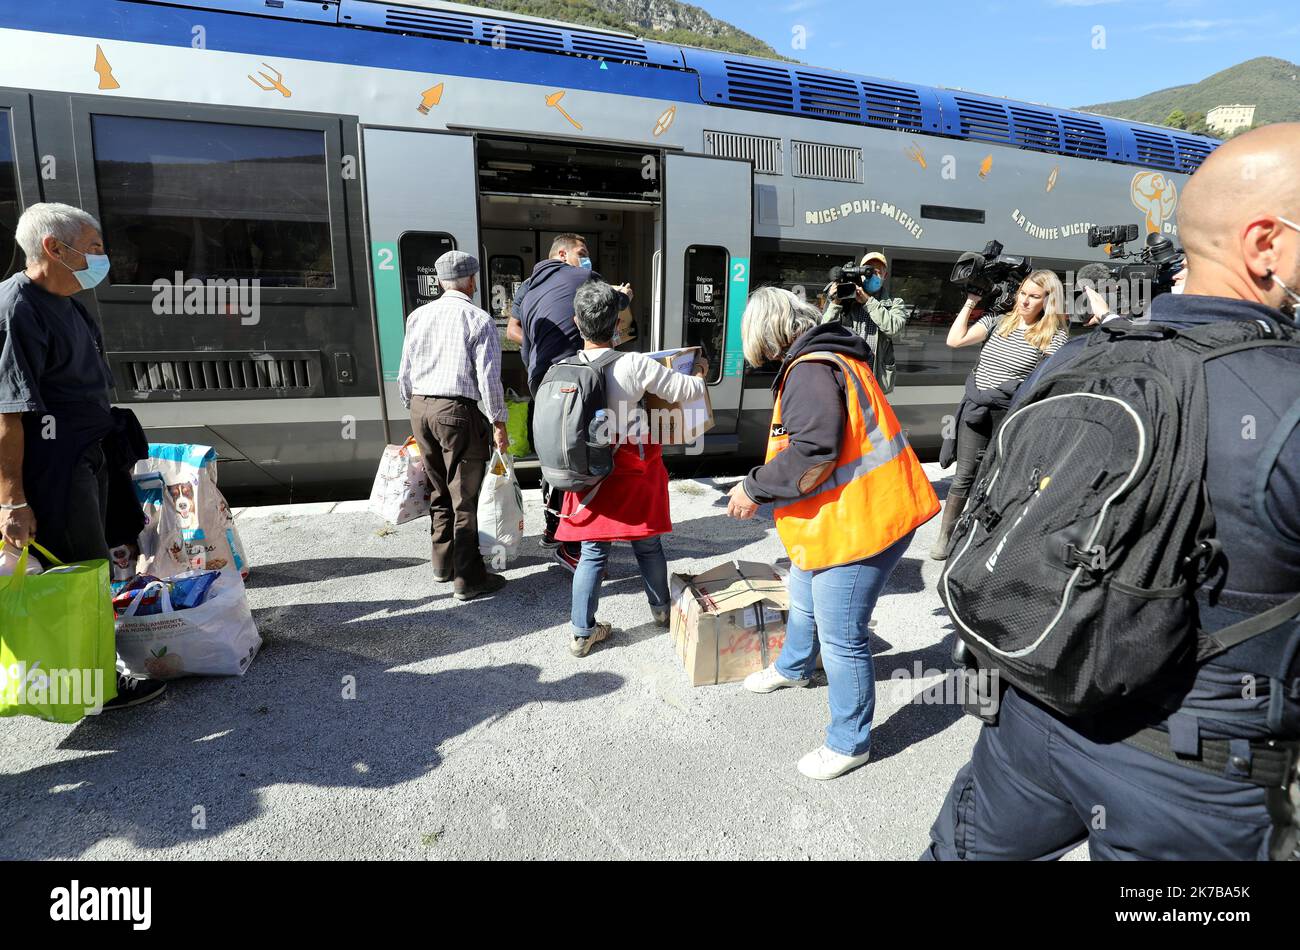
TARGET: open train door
(708,225)
(421,201)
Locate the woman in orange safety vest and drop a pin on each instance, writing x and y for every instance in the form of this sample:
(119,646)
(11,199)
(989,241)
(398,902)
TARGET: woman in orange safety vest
(848,493)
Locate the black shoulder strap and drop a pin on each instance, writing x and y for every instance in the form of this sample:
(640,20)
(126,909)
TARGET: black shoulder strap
(1212,644)
(604,360)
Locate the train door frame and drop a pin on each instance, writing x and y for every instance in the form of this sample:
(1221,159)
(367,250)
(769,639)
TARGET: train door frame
(18,105)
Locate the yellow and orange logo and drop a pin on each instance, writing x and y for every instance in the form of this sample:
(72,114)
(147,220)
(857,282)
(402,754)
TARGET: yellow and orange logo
(1156,196)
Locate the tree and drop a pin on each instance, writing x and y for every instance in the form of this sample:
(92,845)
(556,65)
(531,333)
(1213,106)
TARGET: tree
(1177,119)
(1196,123)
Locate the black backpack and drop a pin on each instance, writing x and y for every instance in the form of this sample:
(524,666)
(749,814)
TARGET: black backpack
(1074,568)
(570,395)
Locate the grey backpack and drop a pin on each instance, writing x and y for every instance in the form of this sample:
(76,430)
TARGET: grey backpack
(570,395)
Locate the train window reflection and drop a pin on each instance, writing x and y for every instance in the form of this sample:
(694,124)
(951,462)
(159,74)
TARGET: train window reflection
(804,275)
(705,307)
(213,200)
(922,351)
(11,258)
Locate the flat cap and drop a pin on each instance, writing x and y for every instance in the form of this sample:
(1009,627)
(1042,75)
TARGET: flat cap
(455,264)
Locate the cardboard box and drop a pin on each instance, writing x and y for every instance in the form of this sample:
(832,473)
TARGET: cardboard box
(728,622)
(678,423)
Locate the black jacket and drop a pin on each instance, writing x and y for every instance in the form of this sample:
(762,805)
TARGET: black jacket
(544,307)
(812,412)
(976,407)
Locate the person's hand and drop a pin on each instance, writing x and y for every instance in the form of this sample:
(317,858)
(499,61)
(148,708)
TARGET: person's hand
(17,526)
(501,436)
(739,505)
(701,368)
(860,295)
(625,290)
(974,299)
(1097,303)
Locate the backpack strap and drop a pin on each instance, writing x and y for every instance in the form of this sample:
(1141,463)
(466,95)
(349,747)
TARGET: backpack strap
(1212,644)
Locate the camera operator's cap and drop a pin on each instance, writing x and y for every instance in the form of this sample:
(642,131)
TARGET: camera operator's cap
(455,264)
(874,256)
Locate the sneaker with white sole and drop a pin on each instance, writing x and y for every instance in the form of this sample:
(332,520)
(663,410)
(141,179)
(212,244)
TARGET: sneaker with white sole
(824,763)
(581,646)
(767,680)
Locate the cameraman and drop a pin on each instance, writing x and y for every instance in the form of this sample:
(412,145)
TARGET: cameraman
(868,315)
(1206,768)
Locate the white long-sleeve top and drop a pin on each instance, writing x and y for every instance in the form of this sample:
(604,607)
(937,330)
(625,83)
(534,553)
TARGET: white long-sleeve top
(631,377)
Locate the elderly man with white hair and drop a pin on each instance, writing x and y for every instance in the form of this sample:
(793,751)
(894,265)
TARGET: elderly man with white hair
(450,378)
(54,399)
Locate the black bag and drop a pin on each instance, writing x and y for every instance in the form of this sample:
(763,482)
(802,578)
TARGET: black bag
(570,395)
(1074,568)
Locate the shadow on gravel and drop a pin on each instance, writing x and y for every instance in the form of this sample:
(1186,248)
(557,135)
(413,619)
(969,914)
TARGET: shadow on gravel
(309,570)
(216,745)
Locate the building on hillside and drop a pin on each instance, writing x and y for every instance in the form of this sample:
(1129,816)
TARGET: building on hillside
(1228,119)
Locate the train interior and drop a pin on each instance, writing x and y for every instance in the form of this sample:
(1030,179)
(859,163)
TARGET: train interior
(532,191)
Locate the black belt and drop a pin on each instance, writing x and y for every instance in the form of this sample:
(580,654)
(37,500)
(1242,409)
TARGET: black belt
(1271,764)
(465,399)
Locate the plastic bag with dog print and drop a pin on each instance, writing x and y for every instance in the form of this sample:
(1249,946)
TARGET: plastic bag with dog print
(190,526)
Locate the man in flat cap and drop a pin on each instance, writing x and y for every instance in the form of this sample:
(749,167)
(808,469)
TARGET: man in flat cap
(451,381)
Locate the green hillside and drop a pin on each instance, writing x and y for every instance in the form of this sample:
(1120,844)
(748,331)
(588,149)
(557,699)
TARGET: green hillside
(666,20)
(1270,84)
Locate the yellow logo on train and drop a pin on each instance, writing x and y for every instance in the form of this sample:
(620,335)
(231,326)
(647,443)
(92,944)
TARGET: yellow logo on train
(1156,196)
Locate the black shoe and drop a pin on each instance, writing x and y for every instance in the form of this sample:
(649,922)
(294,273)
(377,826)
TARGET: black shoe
(568,556)
(548,542)
(133,692)
(443,577)
(489,584)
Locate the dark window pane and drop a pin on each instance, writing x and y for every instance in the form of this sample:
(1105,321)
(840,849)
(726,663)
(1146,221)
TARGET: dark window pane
(419,251)
(804,275)
(505,275)
(705,307)
(11,257)
(922,352)
(213,201)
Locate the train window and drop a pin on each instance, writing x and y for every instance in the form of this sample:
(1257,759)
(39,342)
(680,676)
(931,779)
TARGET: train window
(922,351)
(705,307)
(804,275)
(213,200)
(11,256)
(419,251)
(505,274)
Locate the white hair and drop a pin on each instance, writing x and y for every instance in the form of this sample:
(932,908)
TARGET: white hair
(774,318)
(458,283)
(50,219)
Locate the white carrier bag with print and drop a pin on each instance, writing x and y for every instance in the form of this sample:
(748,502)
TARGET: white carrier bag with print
(216,638)
(500,512)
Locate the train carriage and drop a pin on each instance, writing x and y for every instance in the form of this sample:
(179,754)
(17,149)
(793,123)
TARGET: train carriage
(276,177)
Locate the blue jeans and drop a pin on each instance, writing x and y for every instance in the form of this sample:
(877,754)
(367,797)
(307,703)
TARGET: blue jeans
(591,571)
(834,605)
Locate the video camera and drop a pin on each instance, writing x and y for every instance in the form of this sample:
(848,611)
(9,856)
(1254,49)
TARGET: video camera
(1158,260)
(847,279)
(993,275)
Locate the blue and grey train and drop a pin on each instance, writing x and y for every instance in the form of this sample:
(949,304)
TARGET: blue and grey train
(276,177)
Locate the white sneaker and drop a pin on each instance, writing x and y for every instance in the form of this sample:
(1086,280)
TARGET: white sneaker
(824,763)
(767,680)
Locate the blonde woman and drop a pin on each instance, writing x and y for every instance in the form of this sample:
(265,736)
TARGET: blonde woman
(1014,344)
(848,494)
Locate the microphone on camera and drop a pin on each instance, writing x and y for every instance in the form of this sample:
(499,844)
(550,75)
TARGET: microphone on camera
(1091,273)
(837,274)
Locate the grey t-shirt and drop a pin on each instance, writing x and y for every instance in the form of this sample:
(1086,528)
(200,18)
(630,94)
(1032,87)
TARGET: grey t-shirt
(51,356)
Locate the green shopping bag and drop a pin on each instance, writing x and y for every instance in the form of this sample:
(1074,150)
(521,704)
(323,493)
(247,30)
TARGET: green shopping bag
(57,656)
(517,426)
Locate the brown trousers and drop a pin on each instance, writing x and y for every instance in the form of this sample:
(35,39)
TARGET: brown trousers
(454,441)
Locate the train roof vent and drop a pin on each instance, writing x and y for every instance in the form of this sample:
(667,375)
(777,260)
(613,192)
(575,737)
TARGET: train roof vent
(1192,153)
(1036,129)
(1154,148)
(983,119)
(445,26)
(1085,138)
(510,35)
(752,84)
(894,107)
(827,162)
(763,151)
(834,97)
(614,47)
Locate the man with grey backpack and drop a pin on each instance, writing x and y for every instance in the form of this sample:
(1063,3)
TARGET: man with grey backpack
(1129,562)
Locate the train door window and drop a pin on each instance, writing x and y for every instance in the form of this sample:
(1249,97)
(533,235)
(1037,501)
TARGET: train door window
(419,252)
(213,200)
(505,275)
(11,255)
(932,301)
(706,303)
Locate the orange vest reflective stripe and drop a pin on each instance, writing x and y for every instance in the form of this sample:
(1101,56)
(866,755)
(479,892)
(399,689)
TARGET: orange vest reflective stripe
(877,491)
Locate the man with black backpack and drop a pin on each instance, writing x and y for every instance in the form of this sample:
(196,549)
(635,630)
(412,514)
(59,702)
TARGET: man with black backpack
(1145,624)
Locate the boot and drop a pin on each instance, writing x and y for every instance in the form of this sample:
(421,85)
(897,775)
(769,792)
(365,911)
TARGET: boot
(951,512)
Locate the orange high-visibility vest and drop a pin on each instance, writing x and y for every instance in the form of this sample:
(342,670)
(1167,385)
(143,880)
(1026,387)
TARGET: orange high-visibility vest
(874,495)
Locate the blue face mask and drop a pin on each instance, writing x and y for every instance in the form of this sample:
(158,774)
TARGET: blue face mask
(584,263)
(96,268)
(873,284)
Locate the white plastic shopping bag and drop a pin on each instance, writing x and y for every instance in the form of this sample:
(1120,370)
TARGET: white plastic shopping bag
(401,490)
(216,638)
(500,512)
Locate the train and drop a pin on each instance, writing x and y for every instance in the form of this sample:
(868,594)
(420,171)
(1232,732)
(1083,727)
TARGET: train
(275,179)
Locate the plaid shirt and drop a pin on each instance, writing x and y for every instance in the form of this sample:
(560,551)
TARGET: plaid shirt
(452,349)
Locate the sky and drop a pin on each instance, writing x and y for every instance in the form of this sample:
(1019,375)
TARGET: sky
(1064,53)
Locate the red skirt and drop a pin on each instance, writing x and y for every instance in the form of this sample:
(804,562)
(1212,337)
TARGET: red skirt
(632,502)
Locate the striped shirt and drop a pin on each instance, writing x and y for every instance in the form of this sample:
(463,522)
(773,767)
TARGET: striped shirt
(452,349)
(1003,358)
